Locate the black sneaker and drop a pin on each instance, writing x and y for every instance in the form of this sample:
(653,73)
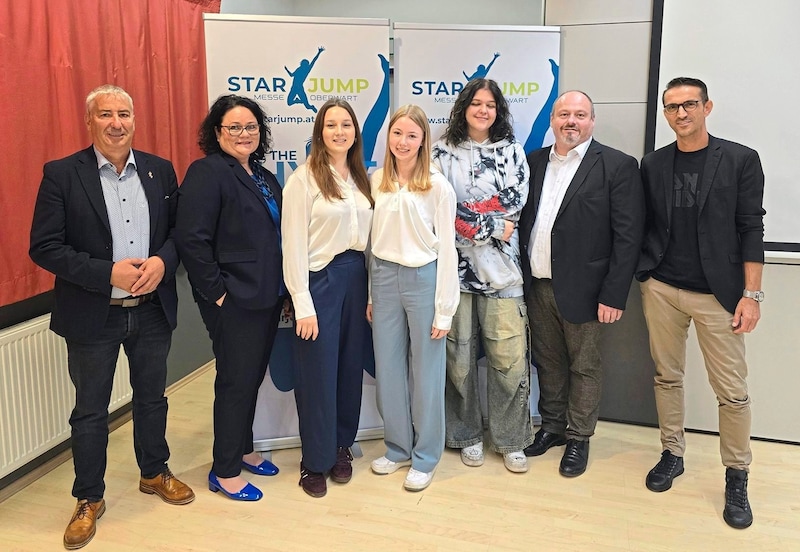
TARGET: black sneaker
(737,511)
(659,479)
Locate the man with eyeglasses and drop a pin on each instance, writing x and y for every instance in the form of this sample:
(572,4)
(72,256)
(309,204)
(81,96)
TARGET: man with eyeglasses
(103,225)
(702,260)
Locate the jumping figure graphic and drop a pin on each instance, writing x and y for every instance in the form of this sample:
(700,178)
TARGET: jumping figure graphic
(297,94)
(482,70)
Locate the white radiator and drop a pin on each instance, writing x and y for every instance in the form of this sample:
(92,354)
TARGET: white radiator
(36,394)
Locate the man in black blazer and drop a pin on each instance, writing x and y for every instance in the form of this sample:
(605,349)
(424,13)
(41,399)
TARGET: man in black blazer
(702,260)
(580,233)
(102,224)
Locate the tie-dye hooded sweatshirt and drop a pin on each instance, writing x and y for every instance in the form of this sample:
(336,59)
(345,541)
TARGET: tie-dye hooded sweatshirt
(491,185)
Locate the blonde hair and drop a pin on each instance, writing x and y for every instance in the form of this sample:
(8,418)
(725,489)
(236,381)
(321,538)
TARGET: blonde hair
(420,180)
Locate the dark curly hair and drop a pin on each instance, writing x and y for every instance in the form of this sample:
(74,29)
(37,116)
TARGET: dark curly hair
(458,131)
(207,135)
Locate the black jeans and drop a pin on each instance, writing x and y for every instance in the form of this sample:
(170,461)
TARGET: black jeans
(145,335)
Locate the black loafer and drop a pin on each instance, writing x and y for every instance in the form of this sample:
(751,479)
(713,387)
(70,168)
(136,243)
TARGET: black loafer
(575,458)
(543,441)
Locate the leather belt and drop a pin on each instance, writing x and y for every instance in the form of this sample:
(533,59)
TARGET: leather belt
(132,301)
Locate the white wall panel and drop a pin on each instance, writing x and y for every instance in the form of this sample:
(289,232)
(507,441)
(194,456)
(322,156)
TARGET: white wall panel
(773,350)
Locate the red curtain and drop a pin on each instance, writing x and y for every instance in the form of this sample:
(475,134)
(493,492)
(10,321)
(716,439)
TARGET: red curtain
(52,53)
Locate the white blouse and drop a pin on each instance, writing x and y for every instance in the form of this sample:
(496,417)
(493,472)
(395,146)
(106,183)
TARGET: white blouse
(315,230)
(416,228)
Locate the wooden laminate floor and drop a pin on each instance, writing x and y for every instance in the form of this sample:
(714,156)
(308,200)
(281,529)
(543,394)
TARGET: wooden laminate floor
(467,509)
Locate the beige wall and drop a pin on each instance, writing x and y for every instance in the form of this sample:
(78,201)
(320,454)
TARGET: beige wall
(605,52)
(507,12)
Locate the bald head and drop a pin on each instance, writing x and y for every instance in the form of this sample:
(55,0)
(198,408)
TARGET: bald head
(572,120)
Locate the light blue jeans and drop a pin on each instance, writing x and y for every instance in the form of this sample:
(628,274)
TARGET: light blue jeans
(409,365)
(503,325)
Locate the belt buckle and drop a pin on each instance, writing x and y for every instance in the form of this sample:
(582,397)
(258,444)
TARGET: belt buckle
(134,302)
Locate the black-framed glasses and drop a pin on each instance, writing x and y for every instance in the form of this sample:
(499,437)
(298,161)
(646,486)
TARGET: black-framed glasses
(688,105)
(236,130)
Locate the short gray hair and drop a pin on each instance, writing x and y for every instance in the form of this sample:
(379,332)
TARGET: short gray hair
(107,90)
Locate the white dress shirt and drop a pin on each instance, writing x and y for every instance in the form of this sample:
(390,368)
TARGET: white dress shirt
(416,228)
(315,230)
(557,178)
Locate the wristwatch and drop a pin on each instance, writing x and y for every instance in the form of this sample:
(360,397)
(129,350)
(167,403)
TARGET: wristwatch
(757,295)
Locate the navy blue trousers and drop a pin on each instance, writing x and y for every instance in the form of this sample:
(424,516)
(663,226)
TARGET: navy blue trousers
(242,340)
(329,370)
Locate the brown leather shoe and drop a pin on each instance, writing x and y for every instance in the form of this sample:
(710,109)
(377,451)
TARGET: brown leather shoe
(168,487)
(81,527)
(342,470)
(313,483)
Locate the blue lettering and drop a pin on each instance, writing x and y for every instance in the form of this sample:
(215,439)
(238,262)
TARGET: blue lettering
(436,88)
(256,84)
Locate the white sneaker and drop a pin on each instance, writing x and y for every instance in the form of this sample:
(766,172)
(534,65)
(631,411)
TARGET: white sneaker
(417,480)
(473,455)
(515,461)
(384,466)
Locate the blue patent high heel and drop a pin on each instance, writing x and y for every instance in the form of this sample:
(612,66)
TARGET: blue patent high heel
(250,492)
(264,468)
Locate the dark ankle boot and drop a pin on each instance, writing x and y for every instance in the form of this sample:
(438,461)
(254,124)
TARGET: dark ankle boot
(737,511)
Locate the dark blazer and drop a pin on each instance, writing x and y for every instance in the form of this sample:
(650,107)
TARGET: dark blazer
(71,237)
(730,221)
(597,232)
(227,240)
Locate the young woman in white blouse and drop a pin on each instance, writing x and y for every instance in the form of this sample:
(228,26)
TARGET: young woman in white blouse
(327,213)
(415,292)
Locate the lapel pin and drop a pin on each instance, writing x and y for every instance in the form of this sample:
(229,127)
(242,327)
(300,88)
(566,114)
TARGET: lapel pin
(150,174)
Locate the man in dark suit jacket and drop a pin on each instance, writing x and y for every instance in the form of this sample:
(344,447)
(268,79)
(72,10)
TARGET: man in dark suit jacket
(702,260)
(102,224)
(580,233)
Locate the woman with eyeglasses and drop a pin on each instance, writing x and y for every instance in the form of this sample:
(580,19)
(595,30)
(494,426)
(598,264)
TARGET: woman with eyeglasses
(326,225)
(228,237)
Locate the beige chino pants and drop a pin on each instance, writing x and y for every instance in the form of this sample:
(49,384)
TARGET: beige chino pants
(669,311)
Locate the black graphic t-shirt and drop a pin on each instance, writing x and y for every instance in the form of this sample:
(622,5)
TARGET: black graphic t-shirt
(681,264)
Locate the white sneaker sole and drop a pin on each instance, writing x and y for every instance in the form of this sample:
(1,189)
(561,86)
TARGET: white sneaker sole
(391,468)
(415,487)
(515,468)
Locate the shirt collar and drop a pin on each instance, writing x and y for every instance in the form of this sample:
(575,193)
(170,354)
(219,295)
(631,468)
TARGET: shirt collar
(102,161)
(579,150)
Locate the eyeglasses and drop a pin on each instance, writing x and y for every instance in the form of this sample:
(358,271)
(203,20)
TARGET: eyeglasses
(688,105)
(236,130)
